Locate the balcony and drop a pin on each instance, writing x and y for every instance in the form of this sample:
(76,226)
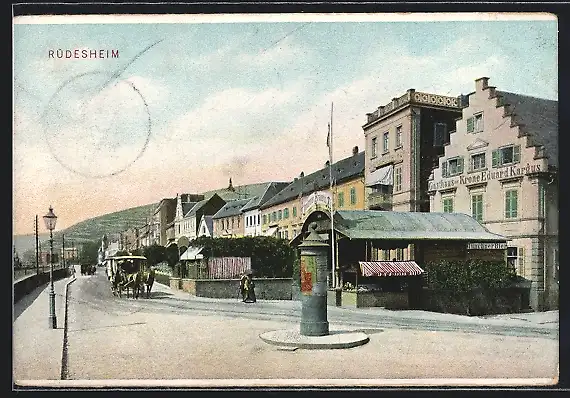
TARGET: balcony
(378,200)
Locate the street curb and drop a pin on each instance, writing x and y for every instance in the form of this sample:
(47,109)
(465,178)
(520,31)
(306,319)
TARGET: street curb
(293,339)
(64,345)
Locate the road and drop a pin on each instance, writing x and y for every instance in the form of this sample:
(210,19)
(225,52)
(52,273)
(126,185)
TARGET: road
(173,335)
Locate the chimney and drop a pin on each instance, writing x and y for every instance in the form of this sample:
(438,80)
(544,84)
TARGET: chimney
(481,84)
(302,174)
(355,151)
(327,163)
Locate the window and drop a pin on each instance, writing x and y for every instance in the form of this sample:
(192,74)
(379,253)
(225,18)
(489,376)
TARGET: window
(280,215)
(439,134)
(541,200)
(477,207)
(264,219)
(286,213)
(258,217)
(274,216)
(374,150)
(383,189)
(400,254)
(515,259)
(506,155)
(398,178)
(385,142)
(341,199)
(398,136)
(511,199)
(478,162)
(448,205)
(452,167)
(286,234)
(475,123)
(294,211)
(352,196)
(233,223)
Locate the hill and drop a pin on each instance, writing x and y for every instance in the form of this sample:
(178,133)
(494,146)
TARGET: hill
(94,228)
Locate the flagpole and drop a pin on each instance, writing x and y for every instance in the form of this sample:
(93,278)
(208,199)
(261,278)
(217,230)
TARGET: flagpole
(333,277)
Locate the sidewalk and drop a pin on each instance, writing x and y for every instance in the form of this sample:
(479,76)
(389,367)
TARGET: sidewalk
(36,348)
(547,319)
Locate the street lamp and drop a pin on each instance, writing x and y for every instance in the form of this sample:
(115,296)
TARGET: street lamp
(50,219)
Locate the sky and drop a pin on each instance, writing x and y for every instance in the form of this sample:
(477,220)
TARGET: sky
(193,101)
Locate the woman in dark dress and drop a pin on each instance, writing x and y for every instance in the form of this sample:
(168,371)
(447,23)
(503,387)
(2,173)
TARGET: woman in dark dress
(249,289)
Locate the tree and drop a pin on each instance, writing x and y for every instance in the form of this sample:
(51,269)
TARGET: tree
(154,254)
(89,252)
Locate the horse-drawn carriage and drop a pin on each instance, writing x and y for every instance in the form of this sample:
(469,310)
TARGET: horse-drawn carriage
(87,269)
(129,273)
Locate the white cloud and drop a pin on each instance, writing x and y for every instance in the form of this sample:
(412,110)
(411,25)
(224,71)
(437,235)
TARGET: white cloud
(280,53)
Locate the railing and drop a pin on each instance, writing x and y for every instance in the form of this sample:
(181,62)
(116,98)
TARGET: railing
(378,199)
(22,272)
(412,96)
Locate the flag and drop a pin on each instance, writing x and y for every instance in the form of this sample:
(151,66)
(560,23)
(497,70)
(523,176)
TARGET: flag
(329,137)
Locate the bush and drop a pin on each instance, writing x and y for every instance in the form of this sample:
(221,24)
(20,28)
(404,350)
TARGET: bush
(270,257)
(466,275)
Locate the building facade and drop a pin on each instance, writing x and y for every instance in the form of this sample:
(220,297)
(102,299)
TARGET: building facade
(284,214)
(404,139)
(206,207)
(228,222)
(501,168)
(252,213)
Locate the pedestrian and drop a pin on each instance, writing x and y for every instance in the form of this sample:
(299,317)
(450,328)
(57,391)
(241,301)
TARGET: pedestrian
(250,289)
(242,290)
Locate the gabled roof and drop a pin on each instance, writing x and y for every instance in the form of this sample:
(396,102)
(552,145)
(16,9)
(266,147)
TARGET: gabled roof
(344,169)
(232,208)
(271,190)
(192,212)
(209,222)
(187,206)
(540,119)
(239,192)
(395,225)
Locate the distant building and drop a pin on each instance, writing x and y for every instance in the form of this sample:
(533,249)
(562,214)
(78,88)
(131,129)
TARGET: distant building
(251,212)
(501,168)
(228,222)
(206,226)
(284,214)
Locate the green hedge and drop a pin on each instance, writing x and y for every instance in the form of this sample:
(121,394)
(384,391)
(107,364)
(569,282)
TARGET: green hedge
(472,287)
(270,257)
(466,275)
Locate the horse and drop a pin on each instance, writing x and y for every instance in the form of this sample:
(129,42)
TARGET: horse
(147,280)
(132,281)
(116,282)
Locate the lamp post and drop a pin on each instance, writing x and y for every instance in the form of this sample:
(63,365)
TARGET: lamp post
(50,219)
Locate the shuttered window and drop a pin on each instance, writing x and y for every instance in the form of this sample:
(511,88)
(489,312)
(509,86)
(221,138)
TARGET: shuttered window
(448,205)
(477,207)
(511,203)
(507,155)
(470,125)
(353,196)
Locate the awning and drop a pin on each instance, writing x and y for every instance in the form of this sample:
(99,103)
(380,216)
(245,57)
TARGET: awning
(389,268)
(382,176)
(192,253)
(271,231)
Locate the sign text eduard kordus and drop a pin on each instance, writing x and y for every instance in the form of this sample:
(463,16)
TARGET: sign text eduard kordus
(483,176)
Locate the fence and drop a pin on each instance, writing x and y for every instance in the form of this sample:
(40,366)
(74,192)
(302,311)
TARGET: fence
(227,267)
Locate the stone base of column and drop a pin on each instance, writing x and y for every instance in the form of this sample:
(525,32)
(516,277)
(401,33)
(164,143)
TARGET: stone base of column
(314,328)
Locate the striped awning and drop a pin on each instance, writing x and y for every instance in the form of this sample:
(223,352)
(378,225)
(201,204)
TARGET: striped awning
(389,268)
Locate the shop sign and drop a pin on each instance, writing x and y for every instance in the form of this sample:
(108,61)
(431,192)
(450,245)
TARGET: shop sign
(315,201)
(487,246)
(484,176)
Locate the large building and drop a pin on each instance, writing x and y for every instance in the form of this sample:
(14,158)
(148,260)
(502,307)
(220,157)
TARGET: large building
(252,214)
(285,213)
(501,167)
(404,139)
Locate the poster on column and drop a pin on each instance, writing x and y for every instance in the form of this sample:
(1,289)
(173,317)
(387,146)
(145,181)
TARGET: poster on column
(308,274)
